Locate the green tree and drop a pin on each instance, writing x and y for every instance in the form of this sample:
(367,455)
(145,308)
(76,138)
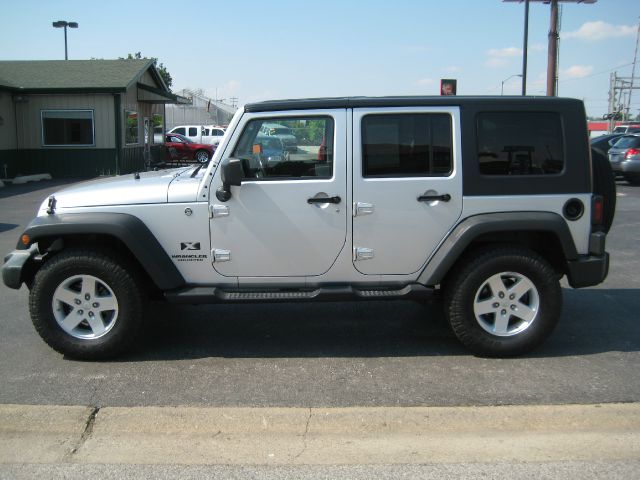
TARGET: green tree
(162,70)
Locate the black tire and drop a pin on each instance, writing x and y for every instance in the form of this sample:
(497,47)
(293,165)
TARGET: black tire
(116,282)
(201,156)
(604,184)
(463,289)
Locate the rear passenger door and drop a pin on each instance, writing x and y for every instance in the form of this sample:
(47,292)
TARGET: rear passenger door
(407,186)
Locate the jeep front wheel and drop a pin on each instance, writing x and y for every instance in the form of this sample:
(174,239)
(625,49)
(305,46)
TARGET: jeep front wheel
(503,301)
(86,304)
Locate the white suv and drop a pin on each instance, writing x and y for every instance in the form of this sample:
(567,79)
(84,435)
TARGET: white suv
(205,134)
(485,202)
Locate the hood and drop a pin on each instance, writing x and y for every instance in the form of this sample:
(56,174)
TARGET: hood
(130,189)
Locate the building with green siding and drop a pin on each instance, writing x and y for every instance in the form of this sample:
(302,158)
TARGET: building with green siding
(80,118)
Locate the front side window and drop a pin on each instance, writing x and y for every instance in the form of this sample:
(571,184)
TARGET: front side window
(193,132)
(131,127)
(67,127)
(412,144)
(520,143)
(297,148)
(179,130)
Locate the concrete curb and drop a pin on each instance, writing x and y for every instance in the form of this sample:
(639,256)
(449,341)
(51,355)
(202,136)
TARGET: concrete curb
(30,178)
(318,436)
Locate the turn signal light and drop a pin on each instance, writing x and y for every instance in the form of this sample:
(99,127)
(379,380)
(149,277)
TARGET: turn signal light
(25,240)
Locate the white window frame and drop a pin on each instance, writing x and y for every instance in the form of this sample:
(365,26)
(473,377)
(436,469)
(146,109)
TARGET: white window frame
(72,145)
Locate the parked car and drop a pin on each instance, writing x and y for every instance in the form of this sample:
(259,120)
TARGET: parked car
(627,129)
(180,147)
(272,149)
(604,142)
(482,202)
(284,133)
(204,134)
(624,157)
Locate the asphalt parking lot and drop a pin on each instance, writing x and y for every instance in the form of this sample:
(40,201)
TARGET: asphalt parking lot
(332,355)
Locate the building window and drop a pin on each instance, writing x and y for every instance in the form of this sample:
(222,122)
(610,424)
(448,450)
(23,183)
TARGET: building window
(131,135)
(520,143)
(67,128)
(407,145)
(158,128)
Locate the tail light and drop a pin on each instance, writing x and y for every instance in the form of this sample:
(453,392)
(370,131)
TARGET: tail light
(597,210)
(631,152)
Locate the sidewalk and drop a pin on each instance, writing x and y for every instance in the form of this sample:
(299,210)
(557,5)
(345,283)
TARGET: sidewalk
(318,436)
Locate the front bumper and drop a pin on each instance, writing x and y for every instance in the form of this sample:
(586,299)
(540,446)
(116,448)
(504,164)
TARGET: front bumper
(15,265)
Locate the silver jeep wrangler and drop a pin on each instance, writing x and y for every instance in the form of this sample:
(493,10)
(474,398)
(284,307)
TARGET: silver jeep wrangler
(485,201)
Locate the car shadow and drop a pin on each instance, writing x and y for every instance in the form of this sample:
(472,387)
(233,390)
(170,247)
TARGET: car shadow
(5,227)
(593,321)
(11,190)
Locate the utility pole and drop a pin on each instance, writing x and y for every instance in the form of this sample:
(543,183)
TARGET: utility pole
(633,71)
(552,58)
(525,47)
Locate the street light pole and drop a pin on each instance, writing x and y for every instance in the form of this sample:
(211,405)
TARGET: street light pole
(64,24)
(506,80)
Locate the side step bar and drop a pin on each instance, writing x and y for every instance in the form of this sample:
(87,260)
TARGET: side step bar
(202,295)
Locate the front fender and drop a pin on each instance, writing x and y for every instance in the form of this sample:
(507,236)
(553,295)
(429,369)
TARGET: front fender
(130,230)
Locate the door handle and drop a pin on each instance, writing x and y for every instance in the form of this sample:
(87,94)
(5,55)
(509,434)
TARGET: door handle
(445,197)
(335,199)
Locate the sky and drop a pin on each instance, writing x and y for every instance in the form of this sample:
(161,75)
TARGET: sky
(261,50)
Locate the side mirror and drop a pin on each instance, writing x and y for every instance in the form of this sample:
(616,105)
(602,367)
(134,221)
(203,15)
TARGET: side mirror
(231,174)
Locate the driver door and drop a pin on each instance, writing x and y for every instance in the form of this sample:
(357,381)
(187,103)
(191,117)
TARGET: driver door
(289,216)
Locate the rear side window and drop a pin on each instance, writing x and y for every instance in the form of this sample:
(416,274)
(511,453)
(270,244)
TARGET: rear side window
(193,132)
(628,142)
(520,143)
(406,145)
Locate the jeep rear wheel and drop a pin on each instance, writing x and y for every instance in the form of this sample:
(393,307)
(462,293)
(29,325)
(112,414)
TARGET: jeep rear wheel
(503,301)
(87,304)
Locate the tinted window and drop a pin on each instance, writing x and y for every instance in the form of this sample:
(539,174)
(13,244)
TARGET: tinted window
(131,127)
(193,131)
(406,145)
(217,132)
(628,142)
(308,155)
(520,143)
(205,132)
(179,130)
(67,127)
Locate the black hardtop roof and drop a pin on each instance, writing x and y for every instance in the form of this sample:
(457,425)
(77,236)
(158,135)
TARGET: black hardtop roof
(422,101)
